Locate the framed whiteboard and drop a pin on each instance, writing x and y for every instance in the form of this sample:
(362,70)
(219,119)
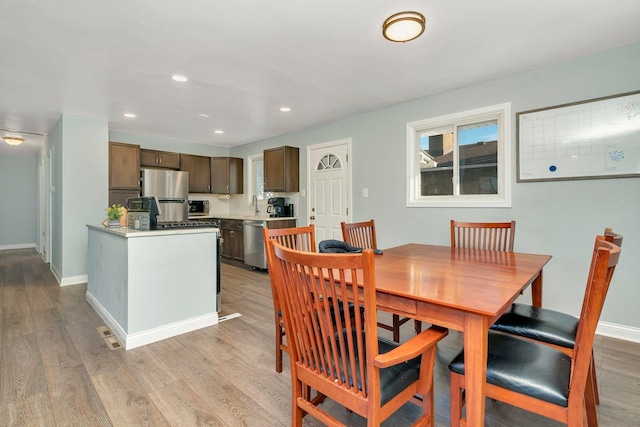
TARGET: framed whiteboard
(597,138)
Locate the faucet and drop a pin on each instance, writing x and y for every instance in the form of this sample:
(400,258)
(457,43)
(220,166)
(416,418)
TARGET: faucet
(254,202)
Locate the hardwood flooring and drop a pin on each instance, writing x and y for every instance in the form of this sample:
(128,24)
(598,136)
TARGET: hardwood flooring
(56,369)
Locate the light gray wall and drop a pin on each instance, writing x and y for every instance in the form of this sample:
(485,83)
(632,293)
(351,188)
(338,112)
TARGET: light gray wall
(18,201)
(80,179)
(168,144)
(556,218)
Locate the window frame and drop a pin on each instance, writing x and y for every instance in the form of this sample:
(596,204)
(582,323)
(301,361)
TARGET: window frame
(499,112)
(251,178)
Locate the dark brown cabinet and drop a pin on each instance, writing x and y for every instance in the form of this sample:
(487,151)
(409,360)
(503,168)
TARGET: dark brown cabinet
(199,172)
(232,239)
(160,159)
(226,175)
(281,169)
(124,172)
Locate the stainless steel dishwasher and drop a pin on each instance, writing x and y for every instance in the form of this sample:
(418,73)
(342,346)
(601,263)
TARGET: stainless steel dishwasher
(254,254)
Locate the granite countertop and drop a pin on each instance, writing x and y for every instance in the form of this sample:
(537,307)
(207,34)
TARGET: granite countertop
(261,217)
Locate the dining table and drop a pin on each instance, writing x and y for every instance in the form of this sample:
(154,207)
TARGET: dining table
(461,289)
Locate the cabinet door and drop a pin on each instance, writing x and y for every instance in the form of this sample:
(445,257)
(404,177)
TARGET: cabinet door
(148,157)
(225,247)
(199,172)
(220,175)
(227,175)
(281,169)
(119,197)
(124,166)
(167,159)
(237,244)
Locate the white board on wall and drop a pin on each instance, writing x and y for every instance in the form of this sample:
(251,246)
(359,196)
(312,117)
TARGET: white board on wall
(597,138)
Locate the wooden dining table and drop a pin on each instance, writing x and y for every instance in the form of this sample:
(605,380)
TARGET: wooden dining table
(461,289)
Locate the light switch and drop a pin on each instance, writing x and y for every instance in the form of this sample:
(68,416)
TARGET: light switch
(365,192)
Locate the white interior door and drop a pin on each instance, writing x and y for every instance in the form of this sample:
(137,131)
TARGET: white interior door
(329,187)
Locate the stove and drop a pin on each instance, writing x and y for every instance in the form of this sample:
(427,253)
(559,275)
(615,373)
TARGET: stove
(172,225)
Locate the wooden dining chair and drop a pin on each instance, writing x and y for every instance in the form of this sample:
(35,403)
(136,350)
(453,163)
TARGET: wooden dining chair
(342,358)
(363,235)
(547,326)
(539,378)
(300,238)
(495,236)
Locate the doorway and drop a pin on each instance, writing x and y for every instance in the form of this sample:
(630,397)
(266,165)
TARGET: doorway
(329,187)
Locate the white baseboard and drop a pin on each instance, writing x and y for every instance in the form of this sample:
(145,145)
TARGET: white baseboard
(74,280)
(627,333)
(20,246)
(151,335)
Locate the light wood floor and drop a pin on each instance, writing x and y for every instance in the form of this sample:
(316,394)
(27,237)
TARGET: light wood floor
(56,370)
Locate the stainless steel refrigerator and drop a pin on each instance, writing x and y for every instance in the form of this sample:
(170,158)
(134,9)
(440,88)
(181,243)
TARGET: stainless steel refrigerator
(172,190)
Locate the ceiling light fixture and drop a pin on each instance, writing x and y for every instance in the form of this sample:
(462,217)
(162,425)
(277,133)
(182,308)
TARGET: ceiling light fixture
(13,140)
(218,131)
(129,115)
(403,27)
(179,78)
(285,109)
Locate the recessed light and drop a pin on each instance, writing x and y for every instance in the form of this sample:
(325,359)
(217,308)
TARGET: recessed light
(218,131)
(129,115)
(285,109)
(179,78)
(203,115)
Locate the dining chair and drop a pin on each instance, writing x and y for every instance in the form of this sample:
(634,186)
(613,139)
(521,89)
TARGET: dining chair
(543,379)
(363,235)
(496,236)
(343,358)
(550,327)
(300,238)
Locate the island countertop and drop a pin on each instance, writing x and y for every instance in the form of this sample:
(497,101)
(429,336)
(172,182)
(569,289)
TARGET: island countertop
(129,232)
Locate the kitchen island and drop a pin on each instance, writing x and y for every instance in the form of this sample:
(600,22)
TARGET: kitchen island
(151,285)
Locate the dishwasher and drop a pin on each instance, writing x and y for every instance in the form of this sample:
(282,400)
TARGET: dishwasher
(253,239)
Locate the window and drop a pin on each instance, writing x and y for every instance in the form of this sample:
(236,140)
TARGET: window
(256,177)
(460,159)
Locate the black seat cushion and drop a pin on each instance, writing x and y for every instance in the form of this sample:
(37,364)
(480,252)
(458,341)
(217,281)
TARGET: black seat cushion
(525,367)
(540,324)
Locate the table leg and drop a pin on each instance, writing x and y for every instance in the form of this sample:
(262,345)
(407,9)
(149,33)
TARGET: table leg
(475,361)
(536,291)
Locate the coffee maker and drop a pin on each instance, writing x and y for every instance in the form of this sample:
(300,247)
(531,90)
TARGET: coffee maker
(278,207)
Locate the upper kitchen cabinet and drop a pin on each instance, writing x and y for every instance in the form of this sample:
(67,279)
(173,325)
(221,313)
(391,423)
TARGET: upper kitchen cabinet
(226,175)
(199,172)
(281,169)
(124,171)
(159,159)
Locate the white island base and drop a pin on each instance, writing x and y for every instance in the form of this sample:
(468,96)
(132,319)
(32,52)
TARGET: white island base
(151,285)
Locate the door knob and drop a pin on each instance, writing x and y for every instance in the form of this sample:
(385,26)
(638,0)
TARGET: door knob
(312,218)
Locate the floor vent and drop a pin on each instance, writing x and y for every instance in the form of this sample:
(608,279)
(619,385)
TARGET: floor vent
(109,338)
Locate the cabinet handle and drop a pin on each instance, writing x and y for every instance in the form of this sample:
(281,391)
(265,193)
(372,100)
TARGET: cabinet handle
(312,218)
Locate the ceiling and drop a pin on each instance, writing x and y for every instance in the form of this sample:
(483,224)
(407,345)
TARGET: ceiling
(247,58)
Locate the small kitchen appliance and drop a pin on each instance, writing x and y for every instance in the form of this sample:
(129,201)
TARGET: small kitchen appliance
(198,207)
(142,213)
(279,208)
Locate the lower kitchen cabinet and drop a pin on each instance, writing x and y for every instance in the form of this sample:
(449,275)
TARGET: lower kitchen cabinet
(232,239)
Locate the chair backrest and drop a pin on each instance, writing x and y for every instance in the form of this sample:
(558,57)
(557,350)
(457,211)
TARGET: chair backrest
(603,263)
(495,236)
(300,238)
(612,237)
(360,234)
(333,361)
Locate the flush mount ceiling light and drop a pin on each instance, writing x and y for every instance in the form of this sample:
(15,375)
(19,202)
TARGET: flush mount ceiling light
(285,109)
(13,140)
(129,115)
(403,27)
